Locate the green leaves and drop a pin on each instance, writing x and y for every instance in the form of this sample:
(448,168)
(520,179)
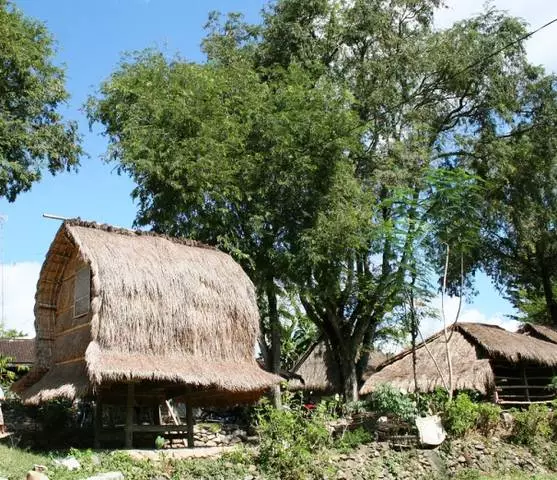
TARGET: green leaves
(33,136)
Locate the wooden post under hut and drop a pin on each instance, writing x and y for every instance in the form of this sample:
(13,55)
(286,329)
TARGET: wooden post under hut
(98,419)
(189,421)
(129,416)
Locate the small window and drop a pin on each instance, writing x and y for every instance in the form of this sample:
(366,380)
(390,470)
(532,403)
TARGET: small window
(82,292)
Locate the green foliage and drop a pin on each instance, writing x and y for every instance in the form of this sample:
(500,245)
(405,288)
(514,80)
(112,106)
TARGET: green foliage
(489,417)
(159,442)
(7,376)
(388,400)
(324,154)
(460,416)
(290,441)
(33,136)
(352,439)
(431,403)
(532,426)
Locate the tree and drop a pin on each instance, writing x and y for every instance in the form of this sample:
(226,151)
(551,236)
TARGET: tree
(33,136)
(315,149)
(518,161)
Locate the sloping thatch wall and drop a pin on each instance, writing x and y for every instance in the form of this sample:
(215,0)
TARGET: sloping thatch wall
(162,311)
(542,332)
(320,372)
(473,349)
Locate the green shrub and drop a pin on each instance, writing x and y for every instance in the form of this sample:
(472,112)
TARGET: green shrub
(431,403)
(488,419)
(291,441)
(460,416)
(352,439)
(388,400)
(532,426)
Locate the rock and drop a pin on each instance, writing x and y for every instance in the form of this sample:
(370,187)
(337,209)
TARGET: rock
(461,459)
(32,475)
(70,463)
(249,477)
(252,469)
(40,468)
(211,443)
(431,430)
(107,476)
(480,446)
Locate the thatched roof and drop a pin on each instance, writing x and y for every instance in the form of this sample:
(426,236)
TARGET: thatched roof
(163,310)
(542,332)
(320,372)
(472,346)
(21,351)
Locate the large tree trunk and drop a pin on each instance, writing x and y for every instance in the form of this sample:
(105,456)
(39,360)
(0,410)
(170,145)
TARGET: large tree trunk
(274,357)
(349,378)
(549,298)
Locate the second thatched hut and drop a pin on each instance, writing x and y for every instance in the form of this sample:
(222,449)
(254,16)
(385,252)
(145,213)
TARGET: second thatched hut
(508,367)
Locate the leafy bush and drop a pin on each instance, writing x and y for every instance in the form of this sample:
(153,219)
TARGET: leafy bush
(460,415)
(388,400)
(290,441)
(532,426)
(353,438)
(159,442)
(488,417)
(432,403)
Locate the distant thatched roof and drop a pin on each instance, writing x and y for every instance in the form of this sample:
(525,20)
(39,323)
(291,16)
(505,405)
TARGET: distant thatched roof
(320,372)
(542,332)
(472,345)
(21,351)
(162,310)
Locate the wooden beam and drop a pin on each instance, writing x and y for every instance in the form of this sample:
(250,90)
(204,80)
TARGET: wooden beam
(129,416)
(189,421)
(526,383)
(98,419)
(175,419)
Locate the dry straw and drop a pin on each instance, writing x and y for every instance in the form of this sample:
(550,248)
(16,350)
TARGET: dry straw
(162,310)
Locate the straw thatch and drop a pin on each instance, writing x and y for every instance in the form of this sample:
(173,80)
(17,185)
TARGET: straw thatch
(472,346)
(542,332)
(318,372)
(162,311)
(20,351)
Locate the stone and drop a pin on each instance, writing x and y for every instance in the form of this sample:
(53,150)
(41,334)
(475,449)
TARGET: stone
(461,459)
(33,475)
(107,476)
(480,446)
(211,443)
(71,463)
(431,430)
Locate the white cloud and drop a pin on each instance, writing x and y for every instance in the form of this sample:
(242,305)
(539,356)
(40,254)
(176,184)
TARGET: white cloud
(467,315)
(20,281)
(535,12)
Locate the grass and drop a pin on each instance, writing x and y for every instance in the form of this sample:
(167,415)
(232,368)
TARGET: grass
(15,463)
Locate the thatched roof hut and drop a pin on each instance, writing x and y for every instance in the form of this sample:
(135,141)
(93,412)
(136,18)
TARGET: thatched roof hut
(19,351)
(485,358)
(543,332)
(115,307)
(318,372)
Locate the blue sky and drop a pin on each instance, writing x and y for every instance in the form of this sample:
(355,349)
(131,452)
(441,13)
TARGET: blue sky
(91,36)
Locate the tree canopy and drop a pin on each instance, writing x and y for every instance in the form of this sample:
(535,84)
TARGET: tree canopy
(328,149)
(33,135)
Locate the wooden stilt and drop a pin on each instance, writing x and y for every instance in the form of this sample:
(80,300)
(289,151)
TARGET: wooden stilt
(189,420)
(129,417)
(98,418)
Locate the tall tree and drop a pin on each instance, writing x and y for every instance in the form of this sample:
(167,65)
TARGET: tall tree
(33,136)
(315,148)
(517,158)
